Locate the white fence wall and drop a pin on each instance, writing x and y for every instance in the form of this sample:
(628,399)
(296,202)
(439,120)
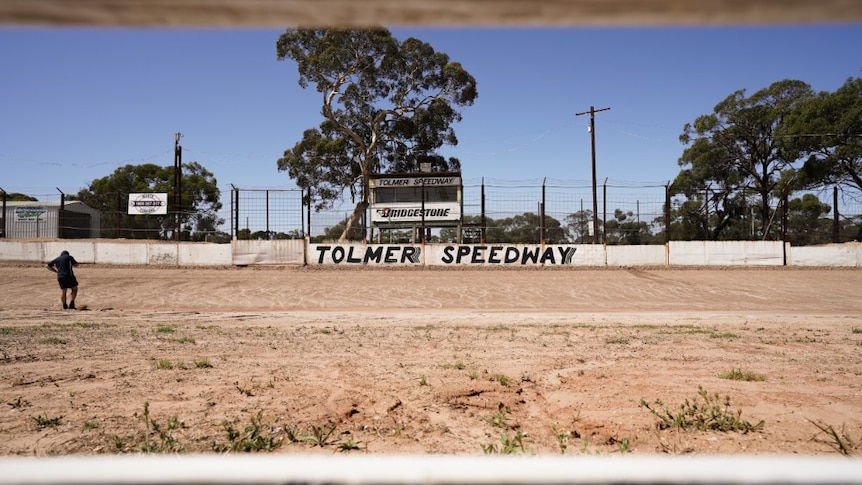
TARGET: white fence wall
(831,255)
(298,252)
(726,253)
(280,251)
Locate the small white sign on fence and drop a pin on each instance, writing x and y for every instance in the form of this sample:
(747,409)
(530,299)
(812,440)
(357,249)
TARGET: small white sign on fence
(148,204)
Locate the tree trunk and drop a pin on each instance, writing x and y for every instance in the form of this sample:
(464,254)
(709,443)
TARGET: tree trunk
(764,214)
(353,222)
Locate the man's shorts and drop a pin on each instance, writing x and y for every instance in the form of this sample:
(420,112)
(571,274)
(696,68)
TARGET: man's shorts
(69,282)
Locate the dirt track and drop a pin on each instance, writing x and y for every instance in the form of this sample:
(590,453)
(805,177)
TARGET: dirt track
(427,361)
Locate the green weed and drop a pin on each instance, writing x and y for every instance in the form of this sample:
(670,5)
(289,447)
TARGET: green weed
(119,443)
(706,412)
(54,341)
(19,403)
(508,445)
(185,340)
(203,363)
(165,329)
(502,379)
(562,438)
(741,375)
(839,441)
(318,435)
(166,442)
(164,364)
(623,445)
(245,391)
(348,445)
(499,418)
(46,422)
(256,436)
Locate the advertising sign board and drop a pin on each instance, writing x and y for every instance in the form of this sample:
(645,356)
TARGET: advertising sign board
(148,204)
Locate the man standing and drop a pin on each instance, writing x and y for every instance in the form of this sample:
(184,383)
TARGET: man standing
(62,265)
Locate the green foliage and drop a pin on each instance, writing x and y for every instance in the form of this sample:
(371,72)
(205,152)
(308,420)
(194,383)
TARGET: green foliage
(524,229)
(826,130)
(741,158)
(318,435)
(623,445)
(45,422)
(246,234)
(19,197)
(18,403)
(738,148)
(625,228)
(388,106)
(255,436)
(741,375)
(509,445)
(166,442)
(348,445)
(499,418)
(198,211)
(562,438)
(502,379)
(337,231)
(806,222)
(706,412)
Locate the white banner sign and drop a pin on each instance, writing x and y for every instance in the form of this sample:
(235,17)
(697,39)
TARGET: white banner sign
(29,214)
(429,181)
(413,212)
(148,204)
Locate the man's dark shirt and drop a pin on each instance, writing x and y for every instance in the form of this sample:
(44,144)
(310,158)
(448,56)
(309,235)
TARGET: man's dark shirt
(63,263)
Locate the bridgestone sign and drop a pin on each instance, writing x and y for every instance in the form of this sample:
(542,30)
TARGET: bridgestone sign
(434,211)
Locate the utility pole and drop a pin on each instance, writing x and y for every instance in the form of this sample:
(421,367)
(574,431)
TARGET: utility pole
(178,184)
(592,112)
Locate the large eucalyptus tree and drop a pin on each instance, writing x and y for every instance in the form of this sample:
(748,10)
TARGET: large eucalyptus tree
(741,148)
(387,105)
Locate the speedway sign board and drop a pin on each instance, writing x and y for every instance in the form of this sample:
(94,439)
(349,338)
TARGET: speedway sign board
(150,203)
(421,181)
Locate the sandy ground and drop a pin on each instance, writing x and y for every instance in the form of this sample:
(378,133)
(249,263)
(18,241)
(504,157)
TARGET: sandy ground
(428,361)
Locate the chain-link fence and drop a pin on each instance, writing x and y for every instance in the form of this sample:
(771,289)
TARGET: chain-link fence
(522,211)
(625,212)
(267,214)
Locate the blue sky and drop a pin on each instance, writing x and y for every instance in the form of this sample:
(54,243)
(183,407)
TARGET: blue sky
(78,103)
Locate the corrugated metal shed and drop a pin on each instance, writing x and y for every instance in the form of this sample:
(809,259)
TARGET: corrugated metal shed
(28,220)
